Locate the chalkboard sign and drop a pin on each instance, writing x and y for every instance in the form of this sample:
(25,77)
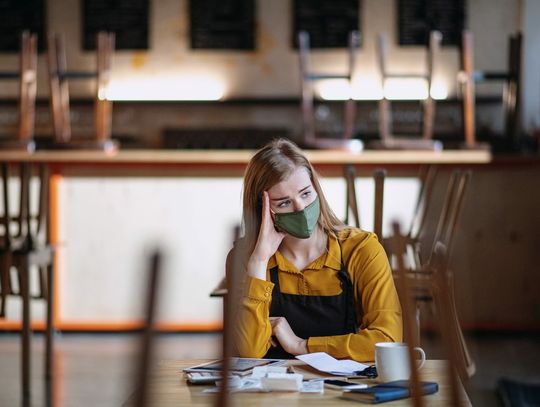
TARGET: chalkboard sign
(416,18)
(328,22)
(222,24)
(128,19)
(17,16)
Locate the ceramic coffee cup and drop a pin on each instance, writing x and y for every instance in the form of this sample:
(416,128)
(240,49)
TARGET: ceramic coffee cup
(392,361)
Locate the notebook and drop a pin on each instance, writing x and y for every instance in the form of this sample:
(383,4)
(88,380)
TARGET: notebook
(387,391)
(238,366)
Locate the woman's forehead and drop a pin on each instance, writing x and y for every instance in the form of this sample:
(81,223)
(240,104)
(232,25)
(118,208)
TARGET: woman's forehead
(298,180)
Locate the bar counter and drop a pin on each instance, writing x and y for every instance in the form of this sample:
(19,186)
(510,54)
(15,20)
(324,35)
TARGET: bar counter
(225,157)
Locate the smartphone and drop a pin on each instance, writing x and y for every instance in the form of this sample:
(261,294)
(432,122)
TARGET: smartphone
(343,385)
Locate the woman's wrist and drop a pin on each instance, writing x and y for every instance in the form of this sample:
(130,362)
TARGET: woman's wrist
(256,267)
(303,349)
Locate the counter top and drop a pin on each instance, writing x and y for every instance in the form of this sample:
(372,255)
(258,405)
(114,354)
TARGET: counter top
(243,156)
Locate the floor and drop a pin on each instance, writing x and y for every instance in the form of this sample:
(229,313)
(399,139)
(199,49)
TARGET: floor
(98,369)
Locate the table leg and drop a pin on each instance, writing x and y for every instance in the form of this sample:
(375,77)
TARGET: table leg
(26,332)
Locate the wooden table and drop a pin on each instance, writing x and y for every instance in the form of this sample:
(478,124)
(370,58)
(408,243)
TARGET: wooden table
(169,388)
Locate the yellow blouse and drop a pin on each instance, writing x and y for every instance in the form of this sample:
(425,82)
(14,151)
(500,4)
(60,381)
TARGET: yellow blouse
(377,304)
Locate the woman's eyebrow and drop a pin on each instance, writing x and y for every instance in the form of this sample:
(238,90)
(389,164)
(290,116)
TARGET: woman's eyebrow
(287,197)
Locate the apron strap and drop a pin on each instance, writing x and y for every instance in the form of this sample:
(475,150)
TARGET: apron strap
(274,278)
(347,286)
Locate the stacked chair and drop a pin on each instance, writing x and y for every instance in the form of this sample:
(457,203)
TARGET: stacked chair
(438,282)
(414,254)
(389,140)
(511,79)
(59,93)
(27,78)
(25,248)
(308,78)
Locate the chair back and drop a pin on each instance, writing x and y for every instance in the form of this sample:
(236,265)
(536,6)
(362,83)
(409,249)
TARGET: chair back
(351,204)
(451,210)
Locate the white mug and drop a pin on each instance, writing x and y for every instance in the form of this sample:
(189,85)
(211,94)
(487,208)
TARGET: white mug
(392,361)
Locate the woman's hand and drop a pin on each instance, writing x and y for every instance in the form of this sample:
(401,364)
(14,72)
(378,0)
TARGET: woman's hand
(267,244)
(286,337)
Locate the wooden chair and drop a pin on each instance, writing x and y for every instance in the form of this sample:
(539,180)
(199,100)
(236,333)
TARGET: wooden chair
(511,78)
(58,84)
(27,77)
(438,281)
(388,138)
(405,292)
(447,222)
(26,247)
(308,78)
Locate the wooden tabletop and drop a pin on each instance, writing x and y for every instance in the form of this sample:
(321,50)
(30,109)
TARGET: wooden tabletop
(169,388)
(243,156)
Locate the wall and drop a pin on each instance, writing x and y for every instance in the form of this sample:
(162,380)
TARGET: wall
(272,70)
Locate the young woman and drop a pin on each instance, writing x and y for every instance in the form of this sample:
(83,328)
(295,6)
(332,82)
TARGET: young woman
(312,284)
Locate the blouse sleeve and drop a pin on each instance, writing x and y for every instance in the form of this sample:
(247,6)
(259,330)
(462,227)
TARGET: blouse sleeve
(252,329)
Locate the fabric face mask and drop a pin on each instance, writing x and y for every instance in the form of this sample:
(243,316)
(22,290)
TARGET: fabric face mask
(299,224)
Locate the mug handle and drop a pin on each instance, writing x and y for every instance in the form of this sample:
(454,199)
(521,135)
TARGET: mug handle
(422,357)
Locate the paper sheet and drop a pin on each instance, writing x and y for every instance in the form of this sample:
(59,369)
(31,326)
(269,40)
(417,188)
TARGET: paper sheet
(326,363)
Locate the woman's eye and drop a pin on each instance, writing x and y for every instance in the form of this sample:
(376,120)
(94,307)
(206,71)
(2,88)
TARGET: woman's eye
(306,194)
(283,204)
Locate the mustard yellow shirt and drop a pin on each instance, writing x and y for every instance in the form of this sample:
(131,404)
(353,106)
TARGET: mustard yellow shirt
(377,305)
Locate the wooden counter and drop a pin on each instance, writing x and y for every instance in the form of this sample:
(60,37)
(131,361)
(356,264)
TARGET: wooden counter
(242,157)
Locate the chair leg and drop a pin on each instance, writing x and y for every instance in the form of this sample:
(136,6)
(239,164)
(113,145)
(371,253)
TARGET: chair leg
(50,318)
(4,283)
(43,286)
(26,330)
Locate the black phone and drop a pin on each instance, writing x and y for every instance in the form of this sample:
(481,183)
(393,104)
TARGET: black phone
(343,385)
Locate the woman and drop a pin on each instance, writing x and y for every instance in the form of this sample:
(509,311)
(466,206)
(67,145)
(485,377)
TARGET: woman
(312,284)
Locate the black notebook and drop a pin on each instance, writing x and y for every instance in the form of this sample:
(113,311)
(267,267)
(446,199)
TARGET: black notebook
(388,391)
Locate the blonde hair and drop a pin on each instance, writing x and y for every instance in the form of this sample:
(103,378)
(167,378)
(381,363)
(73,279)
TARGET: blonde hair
(273,163)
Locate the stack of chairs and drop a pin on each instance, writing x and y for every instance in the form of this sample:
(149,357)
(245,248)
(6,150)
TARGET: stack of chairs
(511,79)
(415,257)
(25,248)
(59,93)
(308,78)
(438,281)
(389,140)
(27,78)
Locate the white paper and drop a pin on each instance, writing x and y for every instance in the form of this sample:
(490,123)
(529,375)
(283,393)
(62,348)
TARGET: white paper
(325,363)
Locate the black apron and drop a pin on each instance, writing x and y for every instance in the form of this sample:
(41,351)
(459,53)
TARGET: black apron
(312,315)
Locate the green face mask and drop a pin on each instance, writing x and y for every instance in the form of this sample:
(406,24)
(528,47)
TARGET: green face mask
(302,223)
